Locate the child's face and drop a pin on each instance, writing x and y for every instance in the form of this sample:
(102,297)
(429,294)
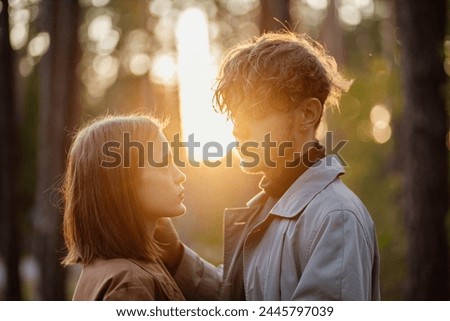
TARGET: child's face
(160,191)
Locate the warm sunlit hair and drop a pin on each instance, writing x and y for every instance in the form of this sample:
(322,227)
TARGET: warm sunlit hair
(102,217)
(277,71)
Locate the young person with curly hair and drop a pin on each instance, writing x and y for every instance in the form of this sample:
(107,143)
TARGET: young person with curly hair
(305,236)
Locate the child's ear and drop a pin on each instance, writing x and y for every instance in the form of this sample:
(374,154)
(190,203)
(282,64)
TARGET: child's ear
(308,114)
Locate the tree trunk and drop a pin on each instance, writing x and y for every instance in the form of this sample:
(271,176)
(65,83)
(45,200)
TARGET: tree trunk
(58,114)
(9,160)
(422,26)
(331,33)
(271,11)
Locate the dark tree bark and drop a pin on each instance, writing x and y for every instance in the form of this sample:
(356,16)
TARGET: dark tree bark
(58,115)
(270,9)
(9,160)
(422,26)
(331,33)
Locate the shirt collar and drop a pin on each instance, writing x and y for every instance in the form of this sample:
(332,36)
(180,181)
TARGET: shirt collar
(307,186)
(277,186)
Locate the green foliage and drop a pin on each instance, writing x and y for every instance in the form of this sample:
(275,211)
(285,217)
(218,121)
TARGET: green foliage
(373,172)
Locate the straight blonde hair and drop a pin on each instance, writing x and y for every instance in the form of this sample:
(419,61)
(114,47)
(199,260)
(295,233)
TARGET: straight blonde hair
(102,214)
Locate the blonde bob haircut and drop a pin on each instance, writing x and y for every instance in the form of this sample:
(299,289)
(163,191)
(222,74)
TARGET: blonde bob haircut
(102,214)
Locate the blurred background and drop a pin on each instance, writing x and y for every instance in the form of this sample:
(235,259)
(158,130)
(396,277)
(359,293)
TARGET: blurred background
(65,62)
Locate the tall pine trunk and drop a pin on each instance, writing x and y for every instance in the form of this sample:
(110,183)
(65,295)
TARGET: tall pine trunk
(271,11)
(58,114)
(422,26)
(9,160)
(332,34)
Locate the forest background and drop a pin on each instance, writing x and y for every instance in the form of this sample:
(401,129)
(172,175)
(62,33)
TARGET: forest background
(64,62)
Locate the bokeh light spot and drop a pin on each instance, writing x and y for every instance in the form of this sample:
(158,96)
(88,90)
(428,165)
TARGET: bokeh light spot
(38,46)
(18,35)
(349,15)
(317,4)
(164,69)
(380,113)
(99,27)
(139,64)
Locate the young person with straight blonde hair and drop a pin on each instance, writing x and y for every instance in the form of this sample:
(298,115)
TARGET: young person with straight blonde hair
(113,198)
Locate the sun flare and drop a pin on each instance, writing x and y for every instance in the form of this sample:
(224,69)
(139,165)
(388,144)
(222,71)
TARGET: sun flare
(196,74)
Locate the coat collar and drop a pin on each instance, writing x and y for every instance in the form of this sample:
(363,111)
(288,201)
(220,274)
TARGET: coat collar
(307,186)
(302,191)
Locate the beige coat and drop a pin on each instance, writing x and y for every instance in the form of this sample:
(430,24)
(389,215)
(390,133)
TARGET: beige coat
(123,279)
(317,243)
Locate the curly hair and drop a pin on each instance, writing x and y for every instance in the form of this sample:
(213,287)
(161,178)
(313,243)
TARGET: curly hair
(277,71)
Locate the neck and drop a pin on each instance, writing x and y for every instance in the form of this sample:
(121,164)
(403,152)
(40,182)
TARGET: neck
(299,149)
(276,186)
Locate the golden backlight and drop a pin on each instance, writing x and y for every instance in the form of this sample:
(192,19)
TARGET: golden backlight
(196,74)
